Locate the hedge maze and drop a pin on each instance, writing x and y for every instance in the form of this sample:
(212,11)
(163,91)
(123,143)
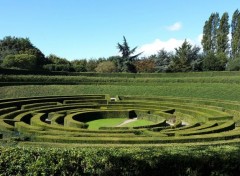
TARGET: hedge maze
(66,119)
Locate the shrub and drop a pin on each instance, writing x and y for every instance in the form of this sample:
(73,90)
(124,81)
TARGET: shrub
(58,67)
(106,67)
(22,61)
(234,64)
(214,62)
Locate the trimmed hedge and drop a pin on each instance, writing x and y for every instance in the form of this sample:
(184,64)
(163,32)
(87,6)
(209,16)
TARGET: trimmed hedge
(132,161)
(60,122)
(230,125)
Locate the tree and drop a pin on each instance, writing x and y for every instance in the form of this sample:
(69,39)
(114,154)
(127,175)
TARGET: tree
(80,65)
(57,64)
(235,32)
(215,42)
(184,58)
(125,63)
(162,60)
(234,64)
(20,61)
(214,62)
(209,40)
(206,39)
(145,65)
(14,46)
(222,35)
(114,59)
(91,65)
(57,60)
(106,67)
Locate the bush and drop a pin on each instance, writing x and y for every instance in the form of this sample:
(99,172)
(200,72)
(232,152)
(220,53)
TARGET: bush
(102,161)
(212,62)
(58,67)
(22,61)
(106,67)
(234,64)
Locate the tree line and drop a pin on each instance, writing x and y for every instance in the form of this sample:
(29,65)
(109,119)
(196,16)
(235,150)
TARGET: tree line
(220,51)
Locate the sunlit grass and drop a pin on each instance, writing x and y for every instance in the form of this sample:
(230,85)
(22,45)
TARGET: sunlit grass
(109,122)
(138,122)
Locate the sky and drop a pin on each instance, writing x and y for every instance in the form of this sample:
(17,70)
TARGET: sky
(78,29)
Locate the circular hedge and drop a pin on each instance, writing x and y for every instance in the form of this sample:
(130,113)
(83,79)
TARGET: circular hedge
(65,119)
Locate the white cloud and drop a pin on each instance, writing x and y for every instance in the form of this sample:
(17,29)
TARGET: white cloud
(169,45)
(175,27)
(199,38)
(154,47)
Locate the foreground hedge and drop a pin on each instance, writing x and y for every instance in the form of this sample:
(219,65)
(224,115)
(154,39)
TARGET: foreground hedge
(200,160)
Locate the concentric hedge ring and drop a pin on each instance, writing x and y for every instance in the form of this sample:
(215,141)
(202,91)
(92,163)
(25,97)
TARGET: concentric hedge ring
(176,120)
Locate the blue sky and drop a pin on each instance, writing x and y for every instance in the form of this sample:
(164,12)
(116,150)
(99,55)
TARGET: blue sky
(76,29)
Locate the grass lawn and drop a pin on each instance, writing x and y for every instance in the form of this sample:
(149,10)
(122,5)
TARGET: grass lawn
(110,122)
(113,122)
(138,122)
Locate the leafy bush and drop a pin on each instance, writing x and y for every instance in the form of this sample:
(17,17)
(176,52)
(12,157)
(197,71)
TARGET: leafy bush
(102,161)
(234,64)
(106,67)
(22,61)
(212,62)
(58,67)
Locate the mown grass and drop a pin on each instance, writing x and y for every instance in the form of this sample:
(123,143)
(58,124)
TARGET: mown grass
(196,90)
(138,122)
(109,122)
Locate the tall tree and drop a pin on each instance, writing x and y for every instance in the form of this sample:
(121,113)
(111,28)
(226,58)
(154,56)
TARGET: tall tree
(209,40)
(222,35)
(185,56)
(235,32)
(206,40)
(125,64)
(215,26)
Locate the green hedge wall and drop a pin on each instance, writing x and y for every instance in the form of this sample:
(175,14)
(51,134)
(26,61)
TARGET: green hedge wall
(119,161)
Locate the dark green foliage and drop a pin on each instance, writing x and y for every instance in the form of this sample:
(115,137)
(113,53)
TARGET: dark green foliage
(57,60)
(125,63)
(13,46)
(216,160)
(213,62)
(79,65)
(162,60)
(91,65)
(235,26)
(222,35)
(185,57)
(209,40)
(234,64)
(20,61)
(59,67)
(58,64)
